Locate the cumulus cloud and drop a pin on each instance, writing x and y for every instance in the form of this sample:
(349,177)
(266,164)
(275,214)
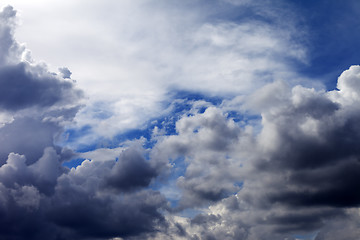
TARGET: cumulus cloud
(90,210)
(303,173)
(314,146)
(23,86)
(41,199)
(204,140)
(78,206)
(35,102)
(131,171)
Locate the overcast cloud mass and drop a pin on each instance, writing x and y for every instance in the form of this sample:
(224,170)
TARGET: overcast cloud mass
(201,120)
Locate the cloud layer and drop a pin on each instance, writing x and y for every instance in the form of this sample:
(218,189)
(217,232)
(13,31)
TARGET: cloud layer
(267,158)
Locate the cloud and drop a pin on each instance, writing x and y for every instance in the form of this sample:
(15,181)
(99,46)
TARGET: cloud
(76,203)
(270,159)
(27,136)
(22,87)
(78,206)
(35,101)
(204,140)
(27,197)
(90,210)
(300,173)
(214,48)
(65,72)
(8,48)
(315,141)
(39,197)
(26,84)
(131,171)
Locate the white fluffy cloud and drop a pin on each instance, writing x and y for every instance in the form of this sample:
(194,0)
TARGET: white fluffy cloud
(130,55)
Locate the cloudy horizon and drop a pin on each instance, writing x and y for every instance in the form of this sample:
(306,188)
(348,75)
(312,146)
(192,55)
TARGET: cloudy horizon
(224,119)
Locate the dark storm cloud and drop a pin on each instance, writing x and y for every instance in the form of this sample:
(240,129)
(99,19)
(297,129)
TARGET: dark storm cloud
(317,147)
(131,171)
(302,222)
(24,84)
(307,168)
(332,141)
(106,216)
(78,207)
(333,186)
(82,204)
(28,136)
(22,87)
(42,174)
(45,200)
(131,217)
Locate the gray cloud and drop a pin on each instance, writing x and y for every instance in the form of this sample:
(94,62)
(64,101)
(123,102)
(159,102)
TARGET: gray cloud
(8,45)
(315,144)
(41,199)
(37,101)
(204,140)
(304,170)
(45,200)
(27,136)
(91,212)
(65,72)
(23,86)
(300,172)
(130,172)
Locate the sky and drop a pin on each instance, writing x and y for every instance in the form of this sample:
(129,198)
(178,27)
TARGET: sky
(193,119)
